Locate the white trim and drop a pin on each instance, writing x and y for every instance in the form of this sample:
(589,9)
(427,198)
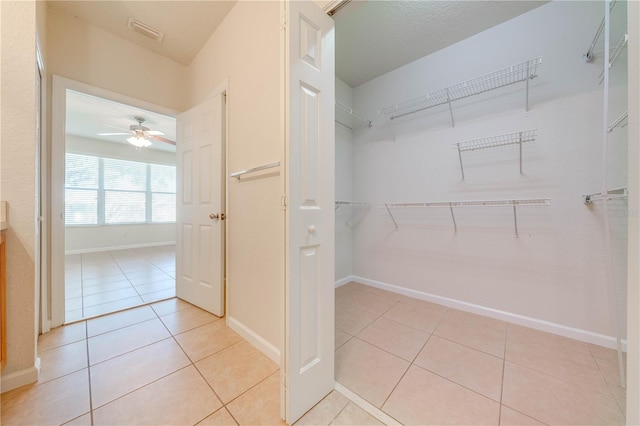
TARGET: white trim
(252,337)
(535,323)
(57,178)
(125,247)
(21,377)
(346,280)
(371,409)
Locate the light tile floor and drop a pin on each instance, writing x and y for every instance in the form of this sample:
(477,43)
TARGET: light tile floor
(168,363)
(425,364)
(103,282)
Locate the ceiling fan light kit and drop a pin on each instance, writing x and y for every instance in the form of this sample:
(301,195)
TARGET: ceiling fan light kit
(139,141)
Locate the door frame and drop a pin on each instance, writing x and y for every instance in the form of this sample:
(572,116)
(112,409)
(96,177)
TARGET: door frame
(57,179)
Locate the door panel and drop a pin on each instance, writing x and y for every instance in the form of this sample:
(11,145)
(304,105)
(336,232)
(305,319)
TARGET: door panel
(310,134)
(200,236)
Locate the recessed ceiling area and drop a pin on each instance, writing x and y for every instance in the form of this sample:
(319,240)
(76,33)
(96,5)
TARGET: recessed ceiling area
(375,37)
(87,116)
(186,25)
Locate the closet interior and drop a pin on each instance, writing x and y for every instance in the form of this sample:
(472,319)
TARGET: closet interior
(481,224)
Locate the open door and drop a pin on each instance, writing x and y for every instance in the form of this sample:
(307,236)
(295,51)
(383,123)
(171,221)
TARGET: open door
(309,151)
(200,206)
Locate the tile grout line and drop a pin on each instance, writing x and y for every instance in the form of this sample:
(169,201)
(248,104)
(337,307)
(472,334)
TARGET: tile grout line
(504,364)
(86,333)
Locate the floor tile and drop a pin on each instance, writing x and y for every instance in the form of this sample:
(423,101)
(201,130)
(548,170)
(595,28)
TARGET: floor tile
(607,354)
(235,370)
(424,398)
(352,415)
(555,401)
(366,300)
(468,367)
(54,402)
(510,417)
(118,342)
(107,308)
(516,333)
(260,405)
(398,339)
(119,320)
(108,296)
(62,360)
(353,320)
(355,362)
(70,316)
(325,411)
(72,293)
(84,420)
(478,332)
(104,280)
(170,306)
(206,340)
(159,295)
(575,366)
(156,286)
(182,398)
(61,336)
(186,319)
(340,338)
(88,290)
(120,375)
(73,304)
(219,418)
(611,375)
(424,316)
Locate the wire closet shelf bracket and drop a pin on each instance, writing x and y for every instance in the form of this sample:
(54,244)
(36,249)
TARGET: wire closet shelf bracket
(521,72)
(612,194)
(457,204)
(350,118)
(515,138)
(358,210)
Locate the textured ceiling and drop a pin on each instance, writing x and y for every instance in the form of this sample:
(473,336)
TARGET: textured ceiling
(87,116)
(375,37)
(186,25)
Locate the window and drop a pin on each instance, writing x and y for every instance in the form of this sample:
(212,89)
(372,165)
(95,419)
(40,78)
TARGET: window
(108,191)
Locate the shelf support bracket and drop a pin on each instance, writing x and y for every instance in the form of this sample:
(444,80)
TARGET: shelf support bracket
(515,219)
(393,136)
(460,158)
(520,144)
(526,102)
(386,206)
(453,123)
(453,217)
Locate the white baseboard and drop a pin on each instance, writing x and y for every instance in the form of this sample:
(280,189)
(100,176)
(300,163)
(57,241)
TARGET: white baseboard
(538,324)
(345,280)
(125,247)
(252,337)
(20,378)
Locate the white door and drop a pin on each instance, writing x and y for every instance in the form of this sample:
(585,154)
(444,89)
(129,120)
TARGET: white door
(310,138)
(200,206)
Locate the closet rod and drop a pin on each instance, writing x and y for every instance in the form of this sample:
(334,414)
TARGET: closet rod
(486,203)
(237,175)
(621,121)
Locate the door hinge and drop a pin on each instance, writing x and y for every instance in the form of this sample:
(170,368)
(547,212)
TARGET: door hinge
(283,23)
(224,97)
(283,202)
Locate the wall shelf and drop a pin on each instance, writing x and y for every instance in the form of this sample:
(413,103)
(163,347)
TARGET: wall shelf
(457,204)
(521,72)
(351,119)
(621,121)
(358,210)
(515,138)
(612,194)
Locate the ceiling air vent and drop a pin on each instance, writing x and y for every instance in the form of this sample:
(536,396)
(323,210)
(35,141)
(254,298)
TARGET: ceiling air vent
(145,30)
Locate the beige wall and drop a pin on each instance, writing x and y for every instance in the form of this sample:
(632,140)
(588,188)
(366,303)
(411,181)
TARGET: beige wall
(245,50)
(633,286)
(17,182)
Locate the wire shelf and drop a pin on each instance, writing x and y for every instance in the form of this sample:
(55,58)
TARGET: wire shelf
(350,119)
(523,71)
(533,202)
(615,53)
(612,194)
(359,209)
(621,121)
(515,138)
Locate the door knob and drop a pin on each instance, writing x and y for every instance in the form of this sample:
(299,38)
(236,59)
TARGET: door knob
(311,229)
(215,216)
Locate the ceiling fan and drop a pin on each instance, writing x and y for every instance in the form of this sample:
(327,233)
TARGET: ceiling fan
(139,135)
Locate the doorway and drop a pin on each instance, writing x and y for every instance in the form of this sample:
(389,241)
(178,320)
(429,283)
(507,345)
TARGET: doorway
(113,203)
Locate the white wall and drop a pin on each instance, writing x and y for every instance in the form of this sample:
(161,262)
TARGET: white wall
(344,188)
(555,270)
(83,239)
(17,186)
(245,49)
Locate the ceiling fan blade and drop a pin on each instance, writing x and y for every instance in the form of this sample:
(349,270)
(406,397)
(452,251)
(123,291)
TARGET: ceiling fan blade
(154,133)
(113,134)
(161,139)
